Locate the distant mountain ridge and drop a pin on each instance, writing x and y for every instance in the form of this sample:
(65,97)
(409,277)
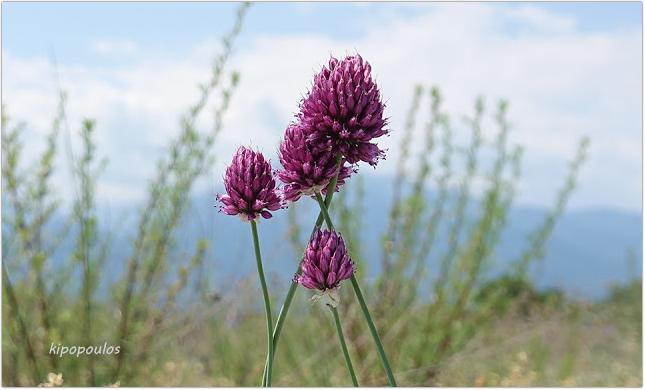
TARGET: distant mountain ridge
(587,253)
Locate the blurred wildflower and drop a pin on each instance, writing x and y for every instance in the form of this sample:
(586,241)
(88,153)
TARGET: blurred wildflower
(343,112)
(520,373)
(480,381)
(306,170)
(325,264)
(250,187)
(170,366)
(53,380)
(570,382)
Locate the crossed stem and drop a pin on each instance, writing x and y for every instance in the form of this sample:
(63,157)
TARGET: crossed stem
(324,215)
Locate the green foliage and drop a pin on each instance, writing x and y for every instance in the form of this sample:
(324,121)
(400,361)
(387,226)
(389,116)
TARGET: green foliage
(631,292)
(143,299)
(516,290)
(461,300)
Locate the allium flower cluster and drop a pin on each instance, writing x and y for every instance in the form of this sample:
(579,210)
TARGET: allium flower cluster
(250,187)
(343,112)
(326,262)
(306,169)
(339,118)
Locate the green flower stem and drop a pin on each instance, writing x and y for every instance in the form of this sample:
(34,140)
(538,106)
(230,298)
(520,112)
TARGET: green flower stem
(341,338)
(267,303)
(375,336)
(292,289)
(361,301)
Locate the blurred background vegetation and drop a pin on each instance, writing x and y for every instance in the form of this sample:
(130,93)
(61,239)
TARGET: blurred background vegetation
(445,322)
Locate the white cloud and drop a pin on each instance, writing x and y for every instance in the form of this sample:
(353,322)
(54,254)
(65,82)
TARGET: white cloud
(562,84)
(536,19)
(111,48)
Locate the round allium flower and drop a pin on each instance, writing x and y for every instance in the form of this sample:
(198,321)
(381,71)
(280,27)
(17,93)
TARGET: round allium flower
(325,264)
(344,112)
(250,187)
(306,170)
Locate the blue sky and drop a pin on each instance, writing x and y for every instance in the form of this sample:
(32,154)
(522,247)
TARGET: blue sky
(569,69)
(31,29)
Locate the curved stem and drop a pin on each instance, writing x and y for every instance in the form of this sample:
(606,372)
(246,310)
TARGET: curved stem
(361,301)
(341,338)
(292,289)
(267,303)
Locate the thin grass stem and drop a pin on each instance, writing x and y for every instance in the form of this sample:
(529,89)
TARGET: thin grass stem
(22,324)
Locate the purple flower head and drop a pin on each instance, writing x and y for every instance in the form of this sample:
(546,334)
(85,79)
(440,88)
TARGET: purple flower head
(250,187)
(326,262)
(343,112)
(306,170)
